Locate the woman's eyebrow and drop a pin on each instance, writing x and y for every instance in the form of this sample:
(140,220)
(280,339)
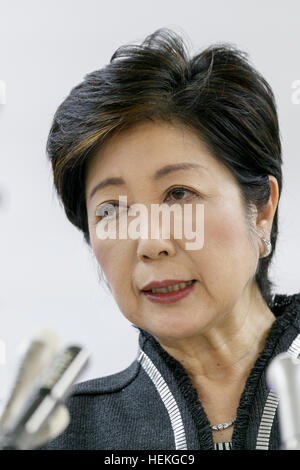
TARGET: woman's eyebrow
(116,181)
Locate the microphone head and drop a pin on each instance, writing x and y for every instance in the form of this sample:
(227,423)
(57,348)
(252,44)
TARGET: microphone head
(36,356)
(55,424)
(35,412)
(41,417)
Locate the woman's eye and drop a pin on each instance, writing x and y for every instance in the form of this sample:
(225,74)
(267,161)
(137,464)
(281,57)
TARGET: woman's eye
(106,210)
(180,192)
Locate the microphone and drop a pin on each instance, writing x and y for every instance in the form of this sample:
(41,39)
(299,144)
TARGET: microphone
(283,376)
(43,414)
(37,356)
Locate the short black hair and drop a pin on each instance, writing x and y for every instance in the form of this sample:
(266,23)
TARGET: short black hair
(217,93)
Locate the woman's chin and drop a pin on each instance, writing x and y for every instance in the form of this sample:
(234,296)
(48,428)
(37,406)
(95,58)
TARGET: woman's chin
(174,331)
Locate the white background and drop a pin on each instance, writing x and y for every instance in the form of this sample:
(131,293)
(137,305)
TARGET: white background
(48,277)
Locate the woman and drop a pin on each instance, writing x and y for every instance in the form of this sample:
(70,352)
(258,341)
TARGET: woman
(157,126)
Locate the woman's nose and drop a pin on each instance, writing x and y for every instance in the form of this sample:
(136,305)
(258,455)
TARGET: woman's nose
(154,248)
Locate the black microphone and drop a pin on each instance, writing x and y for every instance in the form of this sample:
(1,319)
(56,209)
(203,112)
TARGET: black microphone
(46,403)
(37,356)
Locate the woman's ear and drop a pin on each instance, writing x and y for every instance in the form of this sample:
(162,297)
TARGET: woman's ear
(265,217)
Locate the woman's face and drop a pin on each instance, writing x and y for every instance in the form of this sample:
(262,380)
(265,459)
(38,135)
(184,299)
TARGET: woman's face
(223,268)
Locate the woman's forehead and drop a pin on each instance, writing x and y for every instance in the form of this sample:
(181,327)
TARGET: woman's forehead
(149,148)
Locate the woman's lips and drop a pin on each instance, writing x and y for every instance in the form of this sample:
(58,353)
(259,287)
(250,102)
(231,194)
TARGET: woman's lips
(169,297)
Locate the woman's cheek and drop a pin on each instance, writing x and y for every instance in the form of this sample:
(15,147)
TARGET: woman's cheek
(225,244)
(102,252)
(226,233)
(112,256)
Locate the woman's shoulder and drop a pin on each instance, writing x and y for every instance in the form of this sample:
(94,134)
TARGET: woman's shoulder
(95,407)
(108,384)
(286,327)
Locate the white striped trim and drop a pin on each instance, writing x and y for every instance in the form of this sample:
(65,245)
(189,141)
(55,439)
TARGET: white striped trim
(168,400)
(271,404)
(222,446)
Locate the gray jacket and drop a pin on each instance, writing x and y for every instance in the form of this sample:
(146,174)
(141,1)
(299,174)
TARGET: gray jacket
(152,404)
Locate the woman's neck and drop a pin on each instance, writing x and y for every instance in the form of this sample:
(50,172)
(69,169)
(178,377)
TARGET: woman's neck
(227,350)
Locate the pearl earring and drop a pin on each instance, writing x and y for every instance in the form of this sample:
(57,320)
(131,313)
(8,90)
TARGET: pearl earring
(268,247)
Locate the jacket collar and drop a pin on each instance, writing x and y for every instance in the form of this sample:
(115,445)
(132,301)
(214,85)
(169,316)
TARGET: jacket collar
(285,328)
